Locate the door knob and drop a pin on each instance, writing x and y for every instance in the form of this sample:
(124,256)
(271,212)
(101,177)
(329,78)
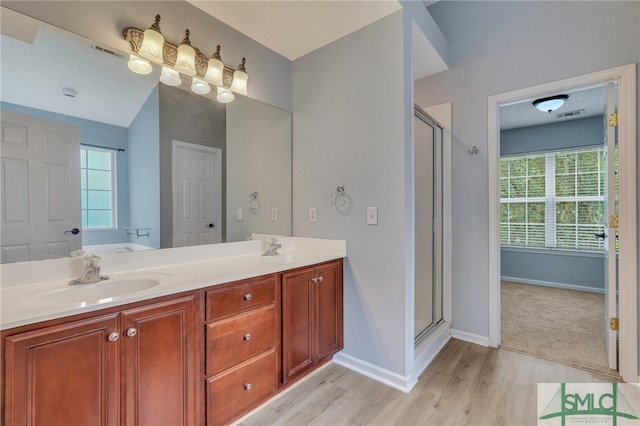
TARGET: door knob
(73,231)
(211,225)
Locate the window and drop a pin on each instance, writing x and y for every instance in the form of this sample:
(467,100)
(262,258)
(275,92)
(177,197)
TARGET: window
(553,199)
(97,184)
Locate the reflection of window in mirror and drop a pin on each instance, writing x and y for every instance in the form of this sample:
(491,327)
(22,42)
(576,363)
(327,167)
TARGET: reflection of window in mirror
(98,186)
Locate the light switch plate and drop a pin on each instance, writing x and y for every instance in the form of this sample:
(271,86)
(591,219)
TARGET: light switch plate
(313,218)
(239,214)
(274,214)
(372,215)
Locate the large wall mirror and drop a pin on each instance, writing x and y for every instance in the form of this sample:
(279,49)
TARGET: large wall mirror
(97,157)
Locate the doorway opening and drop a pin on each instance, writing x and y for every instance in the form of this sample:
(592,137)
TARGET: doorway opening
(624,78)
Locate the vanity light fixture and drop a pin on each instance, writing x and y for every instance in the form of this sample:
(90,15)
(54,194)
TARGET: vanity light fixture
(149,47)
(551,103)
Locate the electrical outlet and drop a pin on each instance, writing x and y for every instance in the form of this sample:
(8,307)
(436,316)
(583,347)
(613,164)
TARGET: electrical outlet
(372,215)
(274,214)
(313,218)
(239,214)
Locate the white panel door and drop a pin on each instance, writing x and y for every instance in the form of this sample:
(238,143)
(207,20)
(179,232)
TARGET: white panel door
(197,194)
(40,188)
(610,285)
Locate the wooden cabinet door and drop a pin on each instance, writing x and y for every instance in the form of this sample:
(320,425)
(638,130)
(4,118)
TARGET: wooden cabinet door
(297,322)
(159,363)
(328,301)
(63,375)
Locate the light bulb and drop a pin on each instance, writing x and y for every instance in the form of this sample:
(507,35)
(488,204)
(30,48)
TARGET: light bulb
(200,87)
(224,95)
(240,79)
(139,65)
(215,69)
(170,77)
(186,60)
(152,42)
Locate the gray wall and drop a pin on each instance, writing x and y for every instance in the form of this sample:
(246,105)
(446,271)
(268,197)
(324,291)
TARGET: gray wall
(187,117)
(564,135)
(349,129)
(144,171)
(497,47)
(258,160)
(95,133)
(550,268)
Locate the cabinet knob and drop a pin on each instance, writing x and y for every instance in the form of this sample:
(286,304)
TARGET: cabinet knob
(248,297)
(247,336)
(248,386)
(320,279)
(131,332)
(114,336)
(314,279)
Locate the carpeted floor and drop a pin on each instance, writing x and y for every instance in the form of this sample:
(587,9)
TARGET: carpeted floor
(560,325)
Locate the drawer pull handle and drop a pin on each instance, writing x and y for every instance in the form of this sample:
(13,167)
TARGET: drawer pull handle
(319,279)
(248,386)
(114,336)
(131,332)
(314,279)
(247,336)
(248,297)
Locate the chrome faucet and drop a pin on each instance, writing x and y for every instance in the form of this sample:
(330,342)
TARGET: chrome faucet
(272,247)
(91,272)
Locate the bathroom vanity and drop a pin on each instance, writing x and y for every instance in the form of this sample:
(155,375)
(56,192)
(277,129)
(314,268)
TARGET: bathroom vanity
(212,340)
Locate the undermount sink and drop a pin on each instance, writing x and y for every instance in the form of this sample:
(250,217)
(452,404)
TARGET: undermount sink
(100,292)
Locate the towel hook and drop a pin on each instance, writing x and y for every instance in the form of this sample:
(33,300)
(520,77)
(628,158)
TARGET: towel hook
(474,150)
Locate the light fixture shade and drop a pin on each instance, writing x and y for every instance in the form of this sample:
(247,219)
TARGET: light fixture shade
(200,87)
(551,103)
(240,79)
(170,77)
(215,69)
(139,65)
(224,95)
(186,60)
(152,42)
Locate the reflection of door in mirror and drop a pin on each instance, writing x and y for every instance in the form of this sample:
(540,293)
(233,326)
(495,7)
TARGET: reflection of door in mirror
(40,188)
(197,197)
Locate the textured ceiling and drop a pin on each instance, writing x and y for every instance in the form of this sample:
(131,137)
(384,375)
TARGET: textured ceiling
(523,114)
(108,91)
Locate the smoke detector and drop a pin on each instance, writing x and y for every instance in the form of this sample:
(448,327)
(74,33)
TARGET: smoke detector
(69,92)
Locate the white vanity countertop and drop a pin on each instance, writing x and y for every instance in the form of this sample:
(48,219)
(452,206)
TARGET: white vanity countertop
(37,291)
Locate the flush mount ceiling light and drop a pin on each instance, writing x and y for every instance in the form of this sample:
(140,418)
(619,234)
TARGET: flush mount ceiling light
(149,46)
(69,92)
(551,103)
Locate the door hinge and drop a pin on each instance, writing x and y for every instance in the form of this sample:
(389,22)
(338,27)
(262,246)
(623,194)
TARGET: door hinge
(613,119)
(614,222)
(614,324)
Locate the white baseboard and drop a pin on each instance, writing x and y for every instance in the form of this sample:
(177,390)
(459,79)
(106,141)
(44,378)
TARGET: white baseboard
(554,285)
(382,375)
(470,337)
(430,348)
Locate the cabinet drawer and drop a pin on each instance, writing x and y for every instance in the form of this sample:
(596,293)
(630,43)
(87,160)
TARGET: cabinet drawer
(242,296)
(236,339)
(240,389)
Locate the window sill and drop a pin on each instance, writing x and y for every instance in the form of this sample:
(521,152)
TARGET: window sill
(553,251)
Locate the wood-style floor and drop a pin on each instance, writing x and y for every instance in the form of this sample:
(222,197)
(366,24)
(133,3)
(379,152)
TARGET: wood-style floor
(466,384)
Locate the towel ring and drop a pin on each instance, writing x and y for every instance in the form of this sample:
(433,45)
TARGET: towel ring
(254,202)
(339,199)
